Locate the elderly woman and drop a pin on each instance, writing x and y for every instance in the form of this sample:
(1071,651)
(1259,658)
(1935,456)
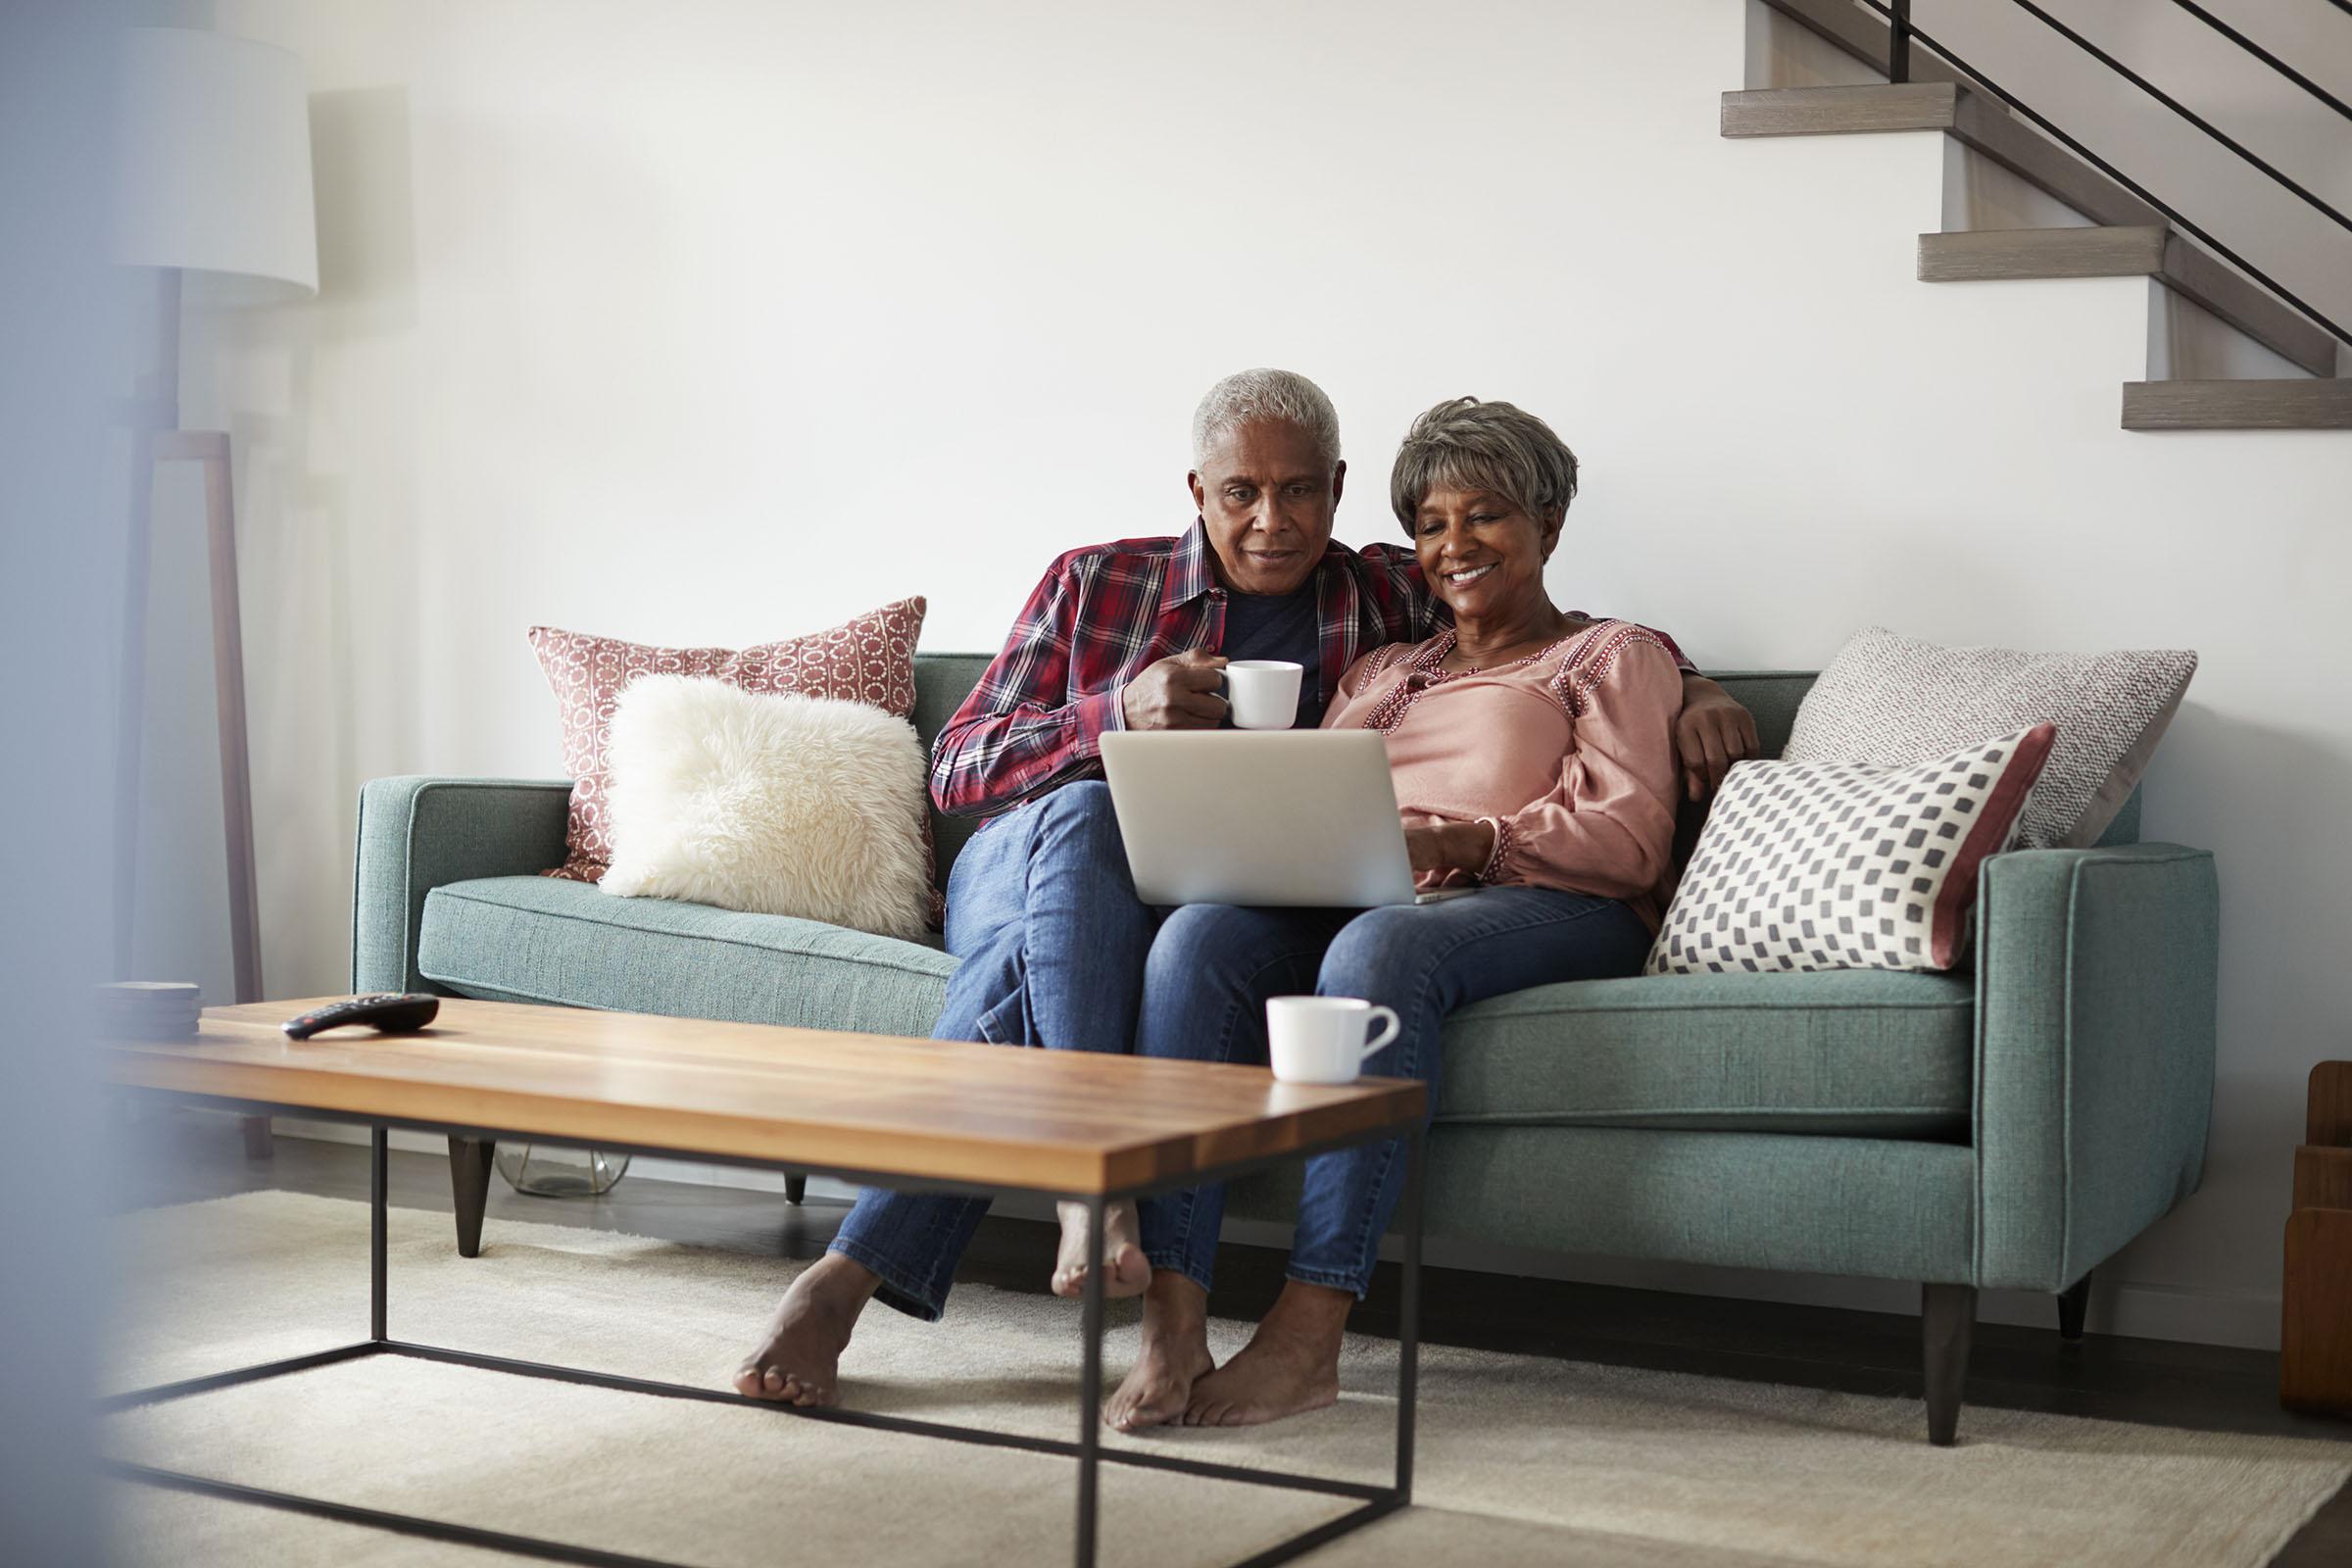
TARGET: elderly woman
(1533,755)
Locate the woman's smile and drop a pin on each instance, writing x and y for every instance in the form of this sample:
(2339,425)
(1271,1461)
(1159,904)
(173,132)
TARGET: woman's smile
(1483,554)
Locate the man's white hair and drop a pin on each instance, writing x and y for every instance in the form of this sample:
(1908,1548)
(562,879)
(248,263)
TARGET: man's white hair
(1263,394)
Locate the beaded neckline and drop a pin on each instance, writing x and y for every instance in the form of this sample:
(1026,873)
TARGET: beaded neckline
(1422,674)
(1429,661)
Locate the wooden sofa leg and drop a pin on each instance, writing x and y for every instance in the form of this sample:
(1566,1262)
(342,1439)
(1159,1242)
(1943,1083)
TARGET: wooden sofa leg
(469,1185)
(796,1188)
(2073,1302)
(1947,1320)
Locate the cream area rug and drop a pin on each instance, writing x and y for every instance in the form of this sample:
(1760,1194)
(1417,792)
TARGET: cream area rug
(1522,1459)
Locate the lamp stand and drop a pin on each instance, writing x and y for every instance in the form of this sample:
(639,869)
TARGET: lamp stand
(158,439)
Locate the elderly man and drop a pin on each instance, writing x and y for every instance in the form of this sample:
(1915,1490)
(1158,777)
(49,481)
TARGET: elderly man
(1041,911)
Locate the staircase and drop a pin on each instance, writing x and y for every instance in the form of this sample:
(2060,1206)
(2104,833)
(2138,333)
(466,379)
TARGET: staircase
(2129,236)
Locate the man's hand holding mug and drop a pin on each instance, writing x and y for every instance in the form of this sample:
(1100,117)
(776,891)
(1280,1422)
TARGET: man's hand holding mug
(1193,690)
(1180,692)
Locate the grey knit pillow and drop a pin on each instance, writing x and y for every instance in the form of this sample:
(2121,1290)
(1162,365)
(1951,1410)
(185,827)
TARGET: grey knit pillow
(1896,701)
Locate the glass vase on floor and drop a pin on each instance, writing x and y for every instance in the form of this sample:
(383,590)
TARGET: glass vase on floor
(548,1170)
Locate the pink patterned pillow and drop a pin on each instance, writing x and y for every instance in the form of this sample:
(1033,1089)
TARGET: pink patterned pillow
(867,660)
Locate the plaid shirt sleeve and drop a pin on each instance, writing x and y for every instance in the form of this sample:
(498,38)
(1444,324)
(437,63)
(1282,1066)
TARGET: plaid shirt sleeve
(1020,731)
(1410,612)
(1397,596)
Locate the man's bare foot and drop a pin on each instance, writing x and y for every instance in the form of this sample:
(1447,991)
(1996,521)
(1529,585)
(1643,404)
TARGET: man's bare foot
(798,1362)
(1127,1272)
(1290,1366)
(1175,1355)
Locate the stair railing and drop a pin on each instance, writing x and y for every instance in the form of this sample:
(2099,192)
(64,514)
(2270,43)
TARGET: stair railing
(1901,31)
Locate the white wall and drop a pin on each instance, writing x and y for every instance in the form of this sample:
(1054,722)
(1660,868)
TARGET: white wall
(717,322)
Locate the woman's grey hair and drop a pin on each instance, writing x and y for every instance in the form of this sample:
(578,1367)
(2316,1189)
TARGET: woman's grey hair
(1463,443)
(1262,394)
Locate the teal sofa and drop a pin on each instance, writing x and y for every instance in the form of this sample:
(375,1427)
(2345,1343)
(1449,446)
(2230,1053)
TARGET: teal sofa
(2010,1125)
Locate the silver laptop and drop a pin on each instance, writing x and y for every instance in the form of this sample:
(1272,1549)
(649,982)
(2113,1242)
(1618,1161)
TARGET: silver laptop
(1271,817)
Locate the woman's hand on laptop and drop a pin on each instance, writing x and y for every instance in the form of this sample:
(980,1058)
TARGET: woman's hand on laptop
(1438,845)
(1180,692)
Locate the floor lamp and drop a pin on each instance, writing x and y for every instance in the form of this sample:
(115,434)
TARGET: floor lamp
(212,193)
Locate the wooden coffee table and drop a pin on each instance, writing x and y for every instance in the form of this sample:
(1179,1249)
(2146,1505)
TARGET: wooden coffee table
(881,1112)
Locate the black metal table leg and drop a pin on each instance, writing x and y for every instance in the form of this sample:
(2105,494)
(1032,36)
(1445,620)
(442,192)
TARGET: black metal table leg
(1371,1501)
(378,1179)
(1090,1382)
(1408,1314)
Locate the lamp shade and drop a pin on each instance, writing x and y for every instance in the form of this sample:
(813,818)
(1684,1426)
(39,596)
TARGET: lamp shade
(212,162)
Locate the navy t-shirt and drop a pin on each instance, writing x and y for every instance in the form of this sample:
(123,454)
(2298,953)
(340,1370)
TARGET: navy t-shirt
(1279,626)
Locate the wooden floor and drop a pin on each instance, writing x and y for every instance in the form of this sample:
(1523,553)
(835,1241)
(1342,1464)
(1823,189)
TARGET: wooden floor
(195,1156)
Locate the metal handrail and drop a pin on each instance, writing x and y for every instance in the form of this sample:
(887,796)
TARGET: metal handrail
(2177,107)
(2267,58)
(1904,30)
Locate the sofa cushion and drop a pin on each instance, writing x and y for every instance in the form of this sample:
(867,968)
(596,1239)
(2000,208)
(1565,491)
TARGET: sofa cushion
(1864,1053)
(868,658)
(768,802)
(1861,1052)
(1847,866)
(544,938)
(1895,701)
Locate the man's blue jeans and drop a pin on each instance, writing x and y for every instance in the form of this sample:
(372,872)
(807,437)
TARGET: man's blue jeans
(1043,914)
(1205,997)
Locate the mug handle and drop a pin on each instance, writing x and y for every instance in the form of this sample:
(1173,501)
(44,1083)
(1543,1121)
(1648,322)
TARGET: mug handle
(1386,1035)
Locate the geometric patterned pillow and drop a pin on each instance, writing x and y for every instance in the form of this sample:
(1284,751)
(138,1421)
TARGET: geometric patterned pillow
(869,659)
(1896,700)
(1843,865)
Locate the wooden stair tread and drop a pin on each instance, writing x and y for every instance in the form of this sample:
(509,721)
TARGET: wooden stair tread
(1985,254)
(1984,125)
(1840,111)
(2316,405)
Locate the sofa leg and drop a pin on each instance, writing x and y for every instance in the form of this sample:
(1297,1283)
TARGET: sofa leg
(2073,1303)
(469,1185)
(1947,1320)
(258,1143)
(796,1188)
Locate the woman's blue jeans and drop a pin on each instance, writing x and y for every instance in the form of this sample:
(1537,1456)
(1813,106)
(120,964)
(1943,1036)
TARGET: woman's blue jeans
(1213,966)
(1043,914)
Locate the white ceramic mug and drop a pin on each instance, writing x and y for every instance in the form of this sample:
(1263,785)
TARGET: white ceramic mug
(1263,691)
(1321,1039)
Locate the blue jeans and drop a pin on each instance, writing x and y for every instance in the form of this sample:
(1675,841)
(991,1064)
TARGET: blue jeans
(1043,914)
(1205,997)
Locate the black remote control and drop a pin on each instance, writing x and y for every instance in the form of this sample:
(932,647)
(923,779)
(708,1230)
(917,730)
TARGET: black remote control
(385,1011)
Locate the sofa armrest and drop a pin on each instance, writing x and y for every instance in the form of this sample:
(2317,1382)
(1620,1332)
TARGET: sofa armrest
(418,833)
(2095,1053)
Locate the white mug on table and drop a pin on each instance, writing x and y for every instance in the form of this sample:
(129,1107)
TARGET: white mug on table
(1322,1040)
(1263,693)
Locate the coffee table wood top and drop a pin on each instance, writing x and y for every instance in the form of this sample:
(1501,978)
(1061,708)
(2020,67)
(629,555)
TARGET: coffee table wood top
(1063,1121)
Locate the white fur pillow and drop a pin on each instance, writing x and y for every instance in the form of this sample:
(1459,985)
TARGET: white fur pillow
(772,804)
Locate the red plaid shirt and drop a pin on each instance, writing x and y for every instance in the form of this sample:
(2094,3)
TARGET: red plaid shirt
(1103,615)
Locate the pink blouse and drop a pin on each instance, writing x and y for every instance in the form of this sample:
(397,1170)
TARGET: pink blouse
(1568,755)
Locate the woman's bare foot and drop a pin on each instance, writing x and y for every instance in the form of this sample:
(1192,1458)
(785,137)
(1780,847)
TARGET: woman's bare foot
(1126,1273)
(798,1362)
(1160,1385)
(1290,1366)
